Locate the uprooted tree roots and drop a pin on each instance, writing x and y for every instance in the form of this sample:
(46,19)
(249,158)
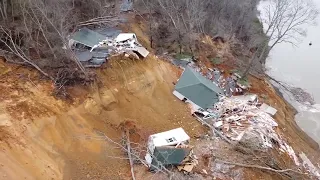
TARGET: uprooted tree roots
(67,77)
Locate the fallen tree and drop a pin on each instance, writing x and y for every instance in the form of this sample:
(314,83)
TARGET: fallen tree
(262,167)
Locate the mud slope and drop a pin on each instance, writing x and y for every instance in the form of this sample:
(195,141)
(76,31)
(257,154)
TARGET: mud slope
(45,138)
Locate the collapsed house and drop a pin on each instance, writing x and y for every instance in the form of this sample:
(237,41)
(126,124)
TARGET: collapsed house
(167,148)
(240,118)
(93,48)
(84,44)
(195,89)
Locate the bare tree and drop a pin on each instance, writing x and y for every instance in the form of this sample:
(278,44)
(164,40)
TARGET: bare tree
(35,32)
(284,21)
(10,41)
(3,9)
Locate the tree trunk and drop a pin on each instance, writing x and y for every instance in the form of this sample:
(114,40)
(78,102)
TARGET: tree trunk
(253,60)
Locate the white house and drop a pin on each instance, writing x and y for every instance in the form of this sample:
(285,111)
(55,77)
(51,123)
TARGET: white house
(172,137)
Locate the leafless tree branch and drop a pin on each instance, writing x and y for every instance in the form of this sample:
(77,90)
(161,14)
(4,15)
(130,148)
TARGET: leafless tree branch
(261,167)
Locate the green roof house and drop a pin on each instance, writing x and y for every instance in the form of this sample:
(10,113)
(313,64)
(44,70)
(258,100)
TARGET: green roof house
(87,37)
(194,88)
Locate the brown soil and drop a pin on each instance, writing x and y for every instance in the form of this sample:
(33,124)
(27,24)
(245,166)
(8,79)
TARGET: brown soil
(49,138)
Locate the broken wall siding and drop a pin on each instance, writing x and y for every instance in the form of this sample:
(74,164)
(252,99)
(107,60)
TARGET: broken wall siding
(142,51)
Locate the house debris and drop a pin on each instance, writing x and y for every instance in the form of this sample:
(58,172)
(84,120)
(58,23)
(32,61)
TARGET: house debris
(93,48)
(268,109)
(195,89)
(251,98)
(188,163)
(129,41)
(169,148)
(240,118)
(307,164)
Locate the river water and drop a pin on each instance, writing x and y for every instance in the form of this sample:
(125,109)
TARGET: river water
(300,66)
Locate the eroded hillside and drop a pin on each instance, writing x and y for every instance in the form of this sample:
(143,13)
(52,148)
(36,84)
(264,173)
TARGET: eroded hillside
(45,138)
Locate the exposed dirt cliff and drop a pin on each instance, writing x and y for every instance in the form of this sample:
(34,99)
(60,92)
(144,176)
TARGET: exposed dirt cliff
(44,138)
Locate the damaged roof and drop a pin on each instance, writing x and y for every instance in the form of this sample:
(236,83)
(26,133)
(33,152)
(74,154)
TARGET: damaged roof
(177,135)
(87,37)
(108,32)
(167,155)
(198,89)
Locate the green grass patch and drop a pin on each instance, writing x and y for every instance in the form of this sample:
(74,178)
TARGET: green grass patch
(216,61)
(235,71)
(244,81)
(183,56)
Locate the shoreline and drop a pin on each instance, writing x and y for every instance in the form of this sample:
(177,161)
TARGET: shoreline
(295,112)
(300,132)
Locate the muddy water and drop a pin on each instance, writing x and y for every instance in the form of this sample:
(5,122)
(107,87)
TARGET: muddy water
(299,66)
